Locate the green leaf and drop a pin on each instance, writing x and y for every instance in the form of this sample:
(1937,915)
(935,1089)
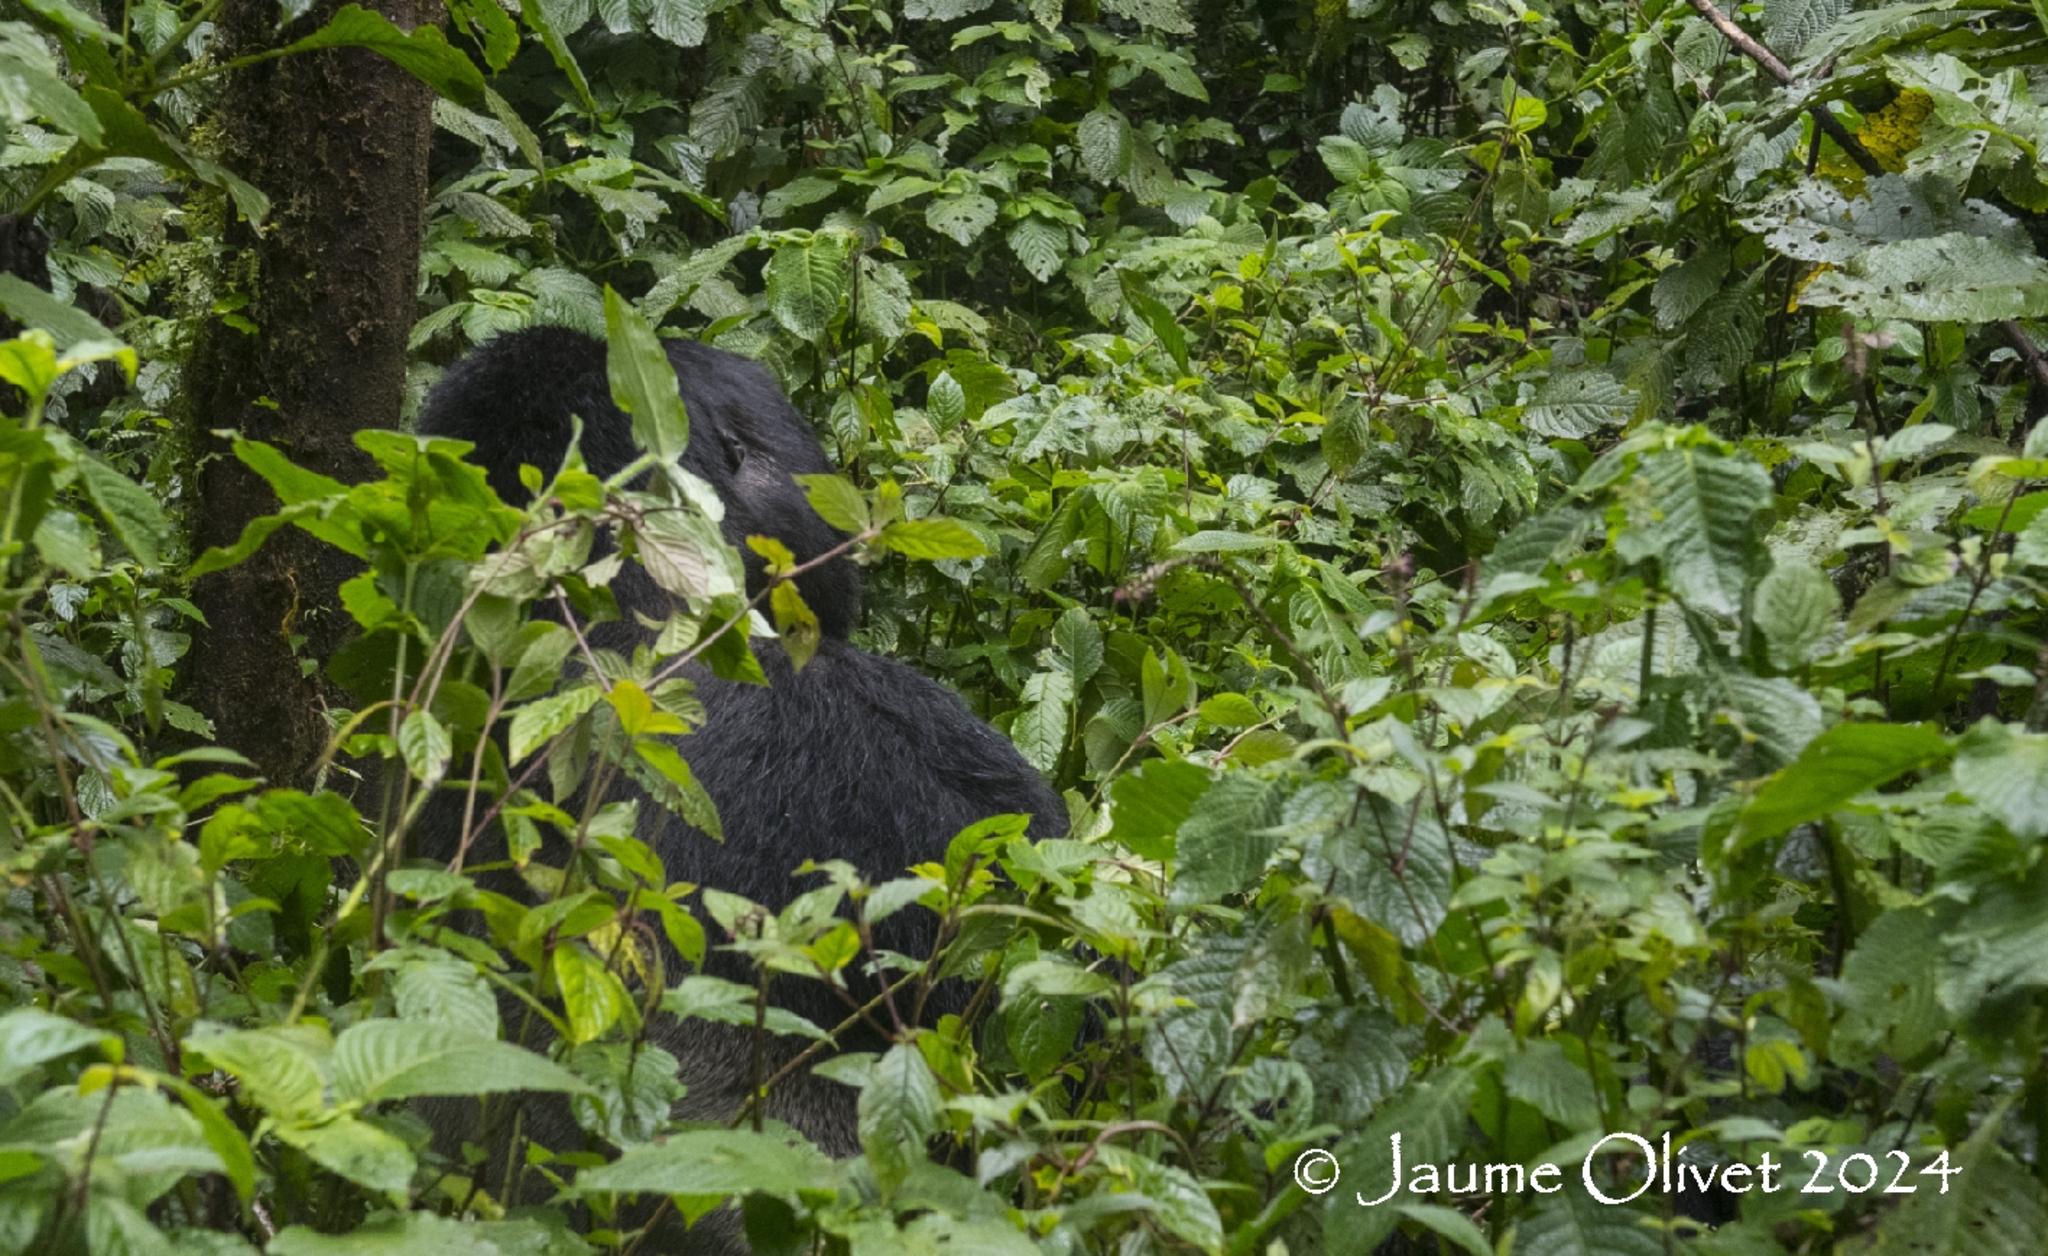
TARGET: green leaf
(364,1154)
(1231,710)
(899,1110)
(1105,142)
(680,22)
(1947,278)
(961,218)
(1039,244)
(2006,771)
(432,984)
(1796,608)
(389,1234)
(714,1163)
(806,282)
(1079,643)
(1836,767)
(425,745)
(29,1036)
(1450,1225)
(423,53)
(1175,1199)
(535,15)
(1572,1222)
(1697,518)
(643,380)
(1577,405)
(1789,24)
(1218,542)
(31,86)
(1222,847)
(837,501)
(932,539)
(1153,802)
(945,402)
(539,666)
(1685,287)
(1160,15)
(132,513)
(1988,1204)
(541,719)
(1040,729)
(377,1060)
(1160,319)
(591,993)
(30,306)
(685,794)
(495,30)
(278,1068)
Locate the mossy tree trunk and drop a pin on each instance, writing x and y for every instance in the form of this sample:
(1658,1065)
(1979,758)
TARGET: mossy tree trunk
(338,141)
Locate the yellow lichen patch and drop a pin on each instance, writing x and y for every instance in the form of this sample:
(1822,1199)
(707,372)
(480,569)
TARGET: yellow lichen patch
(1792,302)
(1890,135)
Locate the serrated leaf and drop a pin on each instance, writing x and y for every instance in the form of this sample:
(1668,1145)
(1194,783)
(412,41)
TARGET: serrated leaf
(1685,287)
(1577,405)
(1159,15)
(680,22)
(806,282)
(1789,24)
(541,719)
(1105,142)
(434,985)
(1040,729)
(945,402)
(1697,518)
(1079,643)
(1039,244)
(899,1109)
(961,218)
(1946,278)
(2007,773)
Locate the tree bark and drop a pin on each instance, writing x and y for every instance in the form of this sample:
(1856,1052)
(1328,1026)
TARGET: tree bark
(338,141)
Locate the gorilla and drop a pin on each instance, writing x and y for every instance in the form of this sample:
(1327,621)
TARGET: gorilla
(854,757)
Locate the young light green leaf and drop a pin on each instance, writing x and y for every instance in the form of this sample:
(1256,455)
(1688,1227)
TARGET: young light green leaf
(425,746)
(837,501)
(931,539)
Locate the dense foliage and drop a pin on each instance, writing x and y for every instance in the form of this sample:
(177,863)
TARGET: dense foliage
(1524,553)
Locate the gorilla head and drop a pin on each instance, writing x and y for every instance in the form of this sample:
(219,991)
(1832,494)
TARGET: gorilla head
(514,397)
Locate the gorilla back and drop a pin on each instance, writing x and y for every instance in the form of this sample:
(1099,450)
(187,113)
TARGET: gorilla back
(855,757)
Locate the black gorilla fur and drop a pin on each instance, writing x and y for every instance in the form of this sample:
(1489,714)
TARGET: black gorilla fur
(855,757)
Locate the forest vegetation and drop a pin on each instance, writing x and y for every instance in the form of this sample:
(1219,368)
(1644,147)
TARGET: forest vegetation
(1517,529)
